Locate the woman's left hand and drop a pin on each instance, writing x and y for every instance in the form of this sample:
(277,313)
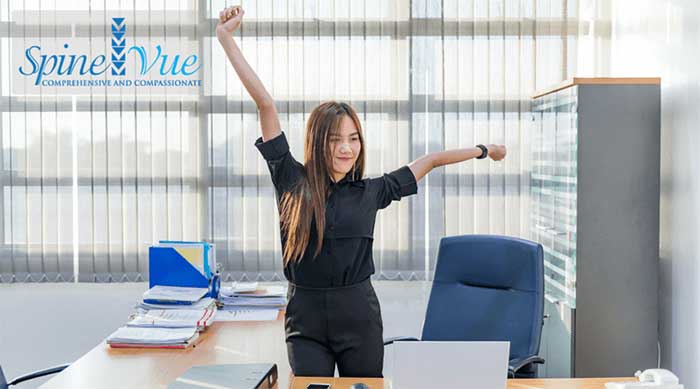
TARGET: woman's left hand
(496,152)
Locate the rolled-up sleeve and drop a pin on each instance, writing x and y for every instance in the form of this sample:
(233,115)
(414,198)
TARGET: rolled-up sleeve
(393,186)
(285,171)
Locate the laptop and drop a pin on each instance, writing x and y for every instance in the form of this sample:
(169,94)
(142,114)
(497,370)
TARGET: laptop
(428,365)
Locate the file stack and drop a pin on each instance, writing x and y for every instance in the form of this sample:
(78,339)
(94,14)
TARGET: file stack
(167,317)
(173,318)
(250,296)
(246,301)
(136,337)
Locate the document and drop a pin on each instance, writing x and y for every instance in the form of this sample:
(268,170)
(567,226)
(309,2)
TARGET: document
(201,304)
(271,297)
(247,315)
(173,318)
(244,287)
(174,294)
(152,336)
(270,291)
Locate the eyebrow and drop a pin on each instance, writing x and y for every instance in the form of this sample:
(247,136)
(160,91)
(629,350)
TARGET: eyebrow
(338,135)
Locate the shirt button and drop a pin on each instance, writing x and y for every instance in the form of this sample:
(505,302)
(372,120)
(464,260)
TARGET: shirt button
(332,228)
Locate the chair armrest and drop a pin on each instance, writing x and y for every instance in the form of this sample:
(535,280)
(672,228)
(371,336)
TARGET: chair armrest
(37,374)
(518,363)
(391,340)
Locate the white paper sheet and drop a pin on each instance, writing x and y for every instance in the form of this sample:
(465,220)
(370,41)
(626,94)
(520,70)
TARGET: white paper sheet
(151,335)
(247,315)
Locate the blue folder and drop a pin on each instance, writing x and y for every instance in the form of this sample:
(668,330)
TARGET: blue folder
(208,252)
(172,266)
(166,266)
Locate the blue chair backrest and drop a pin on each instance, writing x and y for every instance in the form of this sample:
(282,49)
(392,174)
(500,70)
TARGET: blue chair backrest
(487,288)
(3,380)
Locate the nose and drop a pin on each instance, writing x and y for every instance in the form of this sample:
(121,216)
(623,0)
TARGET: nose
(345,148)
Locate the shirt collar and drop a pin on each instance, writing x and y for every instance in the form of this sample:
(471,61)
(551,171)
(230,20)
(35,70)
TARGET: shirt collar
(345,180)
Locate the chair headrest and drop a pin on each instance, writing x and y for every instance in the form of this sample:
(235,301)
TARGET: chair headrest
(490,261)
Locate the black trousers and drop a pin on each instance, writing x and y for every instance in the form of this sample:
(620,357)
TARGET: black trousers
(342,326)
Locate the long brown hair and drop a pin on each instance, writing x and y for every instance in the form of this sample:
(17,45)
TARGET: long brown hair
(307,202)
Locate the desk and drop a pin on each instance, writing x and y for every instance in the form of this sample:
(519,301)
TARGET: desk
(227,342)
(545,383)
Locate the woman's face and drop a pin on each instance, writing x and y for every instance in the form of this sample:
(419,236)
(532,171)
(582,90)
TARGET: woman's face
(345,148)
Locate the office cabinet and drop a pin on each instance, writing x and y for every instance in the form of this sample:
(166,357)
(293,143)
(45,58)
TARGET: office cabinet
(595,210)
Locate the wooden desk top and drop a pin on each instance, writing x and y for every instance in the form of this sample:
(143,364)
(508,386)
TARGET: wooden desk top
(225,342)
(545,383)
(228,342)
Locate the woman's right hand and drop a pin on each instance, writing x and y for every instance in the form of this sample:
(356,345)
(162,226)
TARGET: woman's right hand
(496,152)
(229,20)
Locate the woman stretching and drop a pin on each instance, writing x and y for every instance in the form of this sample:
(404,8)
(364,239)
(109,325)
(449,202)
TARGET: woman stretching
(327,212)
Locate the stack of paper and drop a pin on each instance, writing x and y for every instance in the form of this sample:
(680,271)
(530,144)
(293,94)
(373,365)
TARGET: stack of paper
(153,337)
(245,301)
(244,287)
(167,317)
(174,318)
(242,314)
(271,297)
(161,294)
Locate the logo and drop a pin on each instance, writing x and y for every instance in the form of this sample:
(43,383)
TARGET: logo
(118,41)
(73,65)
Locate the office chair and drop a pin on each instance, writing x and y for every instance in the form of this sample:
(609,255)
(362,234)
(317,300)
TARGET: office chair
(489,288)
(5,385)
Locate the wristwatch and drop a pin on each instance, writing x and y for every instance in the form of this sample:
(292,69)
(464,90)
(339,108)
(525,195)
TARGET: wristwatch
(484,152)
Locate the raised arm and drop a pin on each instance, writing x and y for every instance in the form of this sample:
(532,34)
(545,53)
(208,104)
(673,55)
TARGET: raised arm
(229,20)
(423,165)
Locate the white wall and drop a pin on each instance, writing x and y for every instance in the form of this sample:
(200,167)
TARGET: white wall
(662,38)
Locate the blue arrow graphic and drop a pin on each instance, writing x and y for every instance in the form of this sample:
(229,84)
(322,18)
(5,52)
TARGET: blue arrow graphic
(118,45)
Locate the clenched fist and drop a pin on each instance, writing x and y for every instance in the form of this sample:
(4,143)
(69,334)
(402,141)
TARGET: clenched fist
(496,152)
(229,20)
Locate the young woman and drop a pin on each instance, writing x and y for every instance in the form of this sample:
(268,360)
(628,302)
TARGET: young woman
(327,213)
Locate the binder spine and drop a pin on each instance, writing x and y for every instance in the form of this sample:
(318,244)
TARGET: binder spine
(270,379)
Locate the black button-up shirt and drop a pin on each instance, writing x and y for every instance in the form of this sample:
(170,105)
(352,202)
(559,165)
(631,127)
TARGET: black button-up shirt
(351,210)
